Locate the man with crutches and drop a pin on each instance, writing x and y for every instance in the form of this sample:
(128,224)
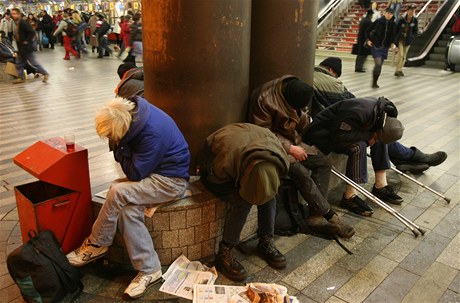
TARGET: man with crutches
(349,127)
(328,89)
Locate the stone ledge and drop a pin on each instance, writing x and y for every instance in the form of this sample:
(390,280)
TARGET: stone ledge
(192,226)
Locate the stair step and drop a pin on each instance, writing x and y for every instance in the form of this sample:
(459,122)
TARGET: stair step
(439,50)
(437,57)
(442,43)
(342,35)
(437,64)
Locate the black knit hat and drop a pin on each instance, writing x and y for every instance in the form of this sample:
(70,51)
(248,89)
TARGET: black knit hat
(123,68)
(335,63)
(298,93)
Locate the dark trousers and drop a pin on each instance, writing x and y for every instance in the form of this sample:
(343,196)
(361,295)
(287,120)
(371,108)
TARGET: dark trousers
(359,63)
(49,35)
(397,151)
(311,178)
(10,37)
(103,46)
(29,58)
(237,213)
(357,160)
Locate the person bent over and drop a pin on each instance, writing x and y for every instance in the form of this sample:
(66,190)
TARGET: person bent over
(155,158)
(280,105)
(248,159)
(348,127)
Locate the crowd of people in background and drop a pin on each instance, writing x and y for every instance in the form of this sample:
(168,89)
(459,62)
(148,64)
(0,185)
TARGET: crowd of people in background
(75,31)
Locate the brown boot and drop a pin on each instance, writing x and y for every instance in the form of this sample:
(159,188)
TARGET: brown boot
(318,225)
(346,231)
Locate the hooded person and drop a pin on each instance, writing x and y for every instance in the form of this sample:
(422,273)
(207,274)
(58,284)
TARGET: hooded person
(245,161)
(132,81)
(281,106)
(349,127)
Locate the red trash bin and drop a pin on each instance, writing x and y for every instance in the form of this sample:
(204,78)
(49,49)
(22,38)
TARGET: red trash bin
(61,200)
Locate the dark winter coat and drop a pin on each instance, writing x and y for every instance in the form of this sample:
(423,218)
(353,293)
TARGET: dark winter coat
(153,144)
(382,32)
(348,122)
(6,51)
(409,36)
(132,84)
(25,37)
(47,23)
(135,33)
(364,25)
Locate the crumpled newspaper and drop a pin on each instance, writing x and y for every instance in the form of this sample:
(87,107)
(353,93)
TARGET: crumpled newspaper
(267,293)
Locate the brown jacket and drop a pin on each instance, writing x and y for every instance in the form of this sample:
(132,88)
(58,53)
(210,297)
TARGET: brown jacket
(268,108)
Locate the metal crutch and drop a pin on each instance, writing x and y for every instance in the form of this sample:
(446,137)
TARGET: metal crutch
(408,223)
(421,184)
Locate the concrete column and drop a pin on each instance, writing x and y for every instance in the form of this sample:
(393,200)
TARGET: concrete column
(196,62)
(283,38)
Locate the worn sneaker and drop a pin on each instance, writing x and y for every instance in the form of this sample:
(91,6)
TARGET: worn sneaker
(346,231)
(228,265)
(387,194)
(357,205)
(266,250)
(141,283)
(86,253)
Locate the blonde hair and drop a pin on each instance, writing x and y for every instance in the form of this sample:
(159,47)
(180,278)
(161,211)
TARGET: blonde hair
(114,118)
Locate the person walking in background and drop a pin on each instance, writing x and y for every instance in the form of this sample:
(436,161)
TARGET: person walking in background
(375,8)
(381,36)
(93,39)
(102,32)
(363,50)
(7,25)
(395,5)
(69,31)
(125,33)
(24,37)
(406,31)
(48,25)
(135,39)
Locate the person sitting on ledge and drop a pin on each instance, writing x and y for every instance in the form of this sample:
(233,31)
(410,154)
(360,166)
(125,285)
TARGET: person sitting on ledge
(329,89)
(349,127)
(248,160)
(132,81)
(280,105)
(154,156)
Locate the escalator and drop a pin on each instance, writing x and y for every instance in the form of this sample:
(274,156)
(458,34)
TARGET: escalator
(433,38)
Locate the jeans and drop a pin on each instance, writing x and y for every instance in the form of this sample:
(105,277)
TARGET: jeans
(125,205)
(397,151)
(311,178)
(237,213)
(357,160)
(29,58)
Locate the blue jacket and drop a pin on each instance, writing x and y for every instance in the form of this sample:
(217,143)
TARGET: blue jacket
(153,144)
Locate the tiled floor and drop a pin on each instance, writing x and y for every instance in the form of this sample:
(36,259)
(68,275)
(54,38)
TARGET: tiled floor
(388,264)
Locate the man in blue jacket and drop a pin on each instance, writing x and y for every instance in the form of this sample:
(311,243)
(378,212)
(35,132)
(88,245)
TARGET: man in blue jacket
(155,158)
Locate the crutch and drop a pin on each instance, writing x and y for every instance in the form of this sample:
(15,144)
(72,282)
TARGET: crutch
(421,184)
(411,225)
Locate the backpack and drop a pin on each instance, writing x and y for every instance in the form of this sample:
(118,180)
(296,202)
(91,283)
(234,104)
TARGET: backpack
(291,213)
(71,30)
(42,271)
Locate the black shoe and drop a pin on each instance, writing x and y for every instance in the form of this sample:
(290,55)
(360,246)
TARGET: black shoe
(357,205)
(227,264)
(413,168)
(100,57)
(387,194)
(430,159)
(267,251)
(375,85)
(320,227)
(360,71)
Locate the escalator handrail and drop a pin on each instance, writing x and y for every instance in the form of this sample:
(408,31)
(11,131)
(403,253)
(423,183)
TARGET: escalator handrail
(326,13)
(437,34)
(325,10)
(424,8)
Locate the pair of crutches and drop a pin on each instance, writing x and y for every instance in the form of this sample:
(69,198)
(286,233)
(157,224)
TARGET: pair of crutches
(416,230)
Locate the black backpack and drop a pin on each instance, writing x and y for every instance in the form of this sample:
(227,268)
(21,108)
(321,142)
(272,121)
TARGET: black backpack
(71,30)
(291,213)
(42,271)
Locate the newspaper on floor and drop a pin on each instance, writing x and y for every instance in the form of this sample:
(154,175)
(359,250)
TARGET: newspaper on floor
(220,294)
(270,293)
(183,274)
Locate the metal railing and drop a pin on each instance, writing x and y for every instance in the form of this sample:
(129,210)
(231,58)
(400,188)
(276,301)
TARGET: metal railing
(425,11)
(333,9)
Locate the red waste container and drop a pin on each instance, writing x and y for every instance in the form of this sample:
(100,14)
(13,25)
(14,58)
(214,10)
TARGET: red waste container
(61,200)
